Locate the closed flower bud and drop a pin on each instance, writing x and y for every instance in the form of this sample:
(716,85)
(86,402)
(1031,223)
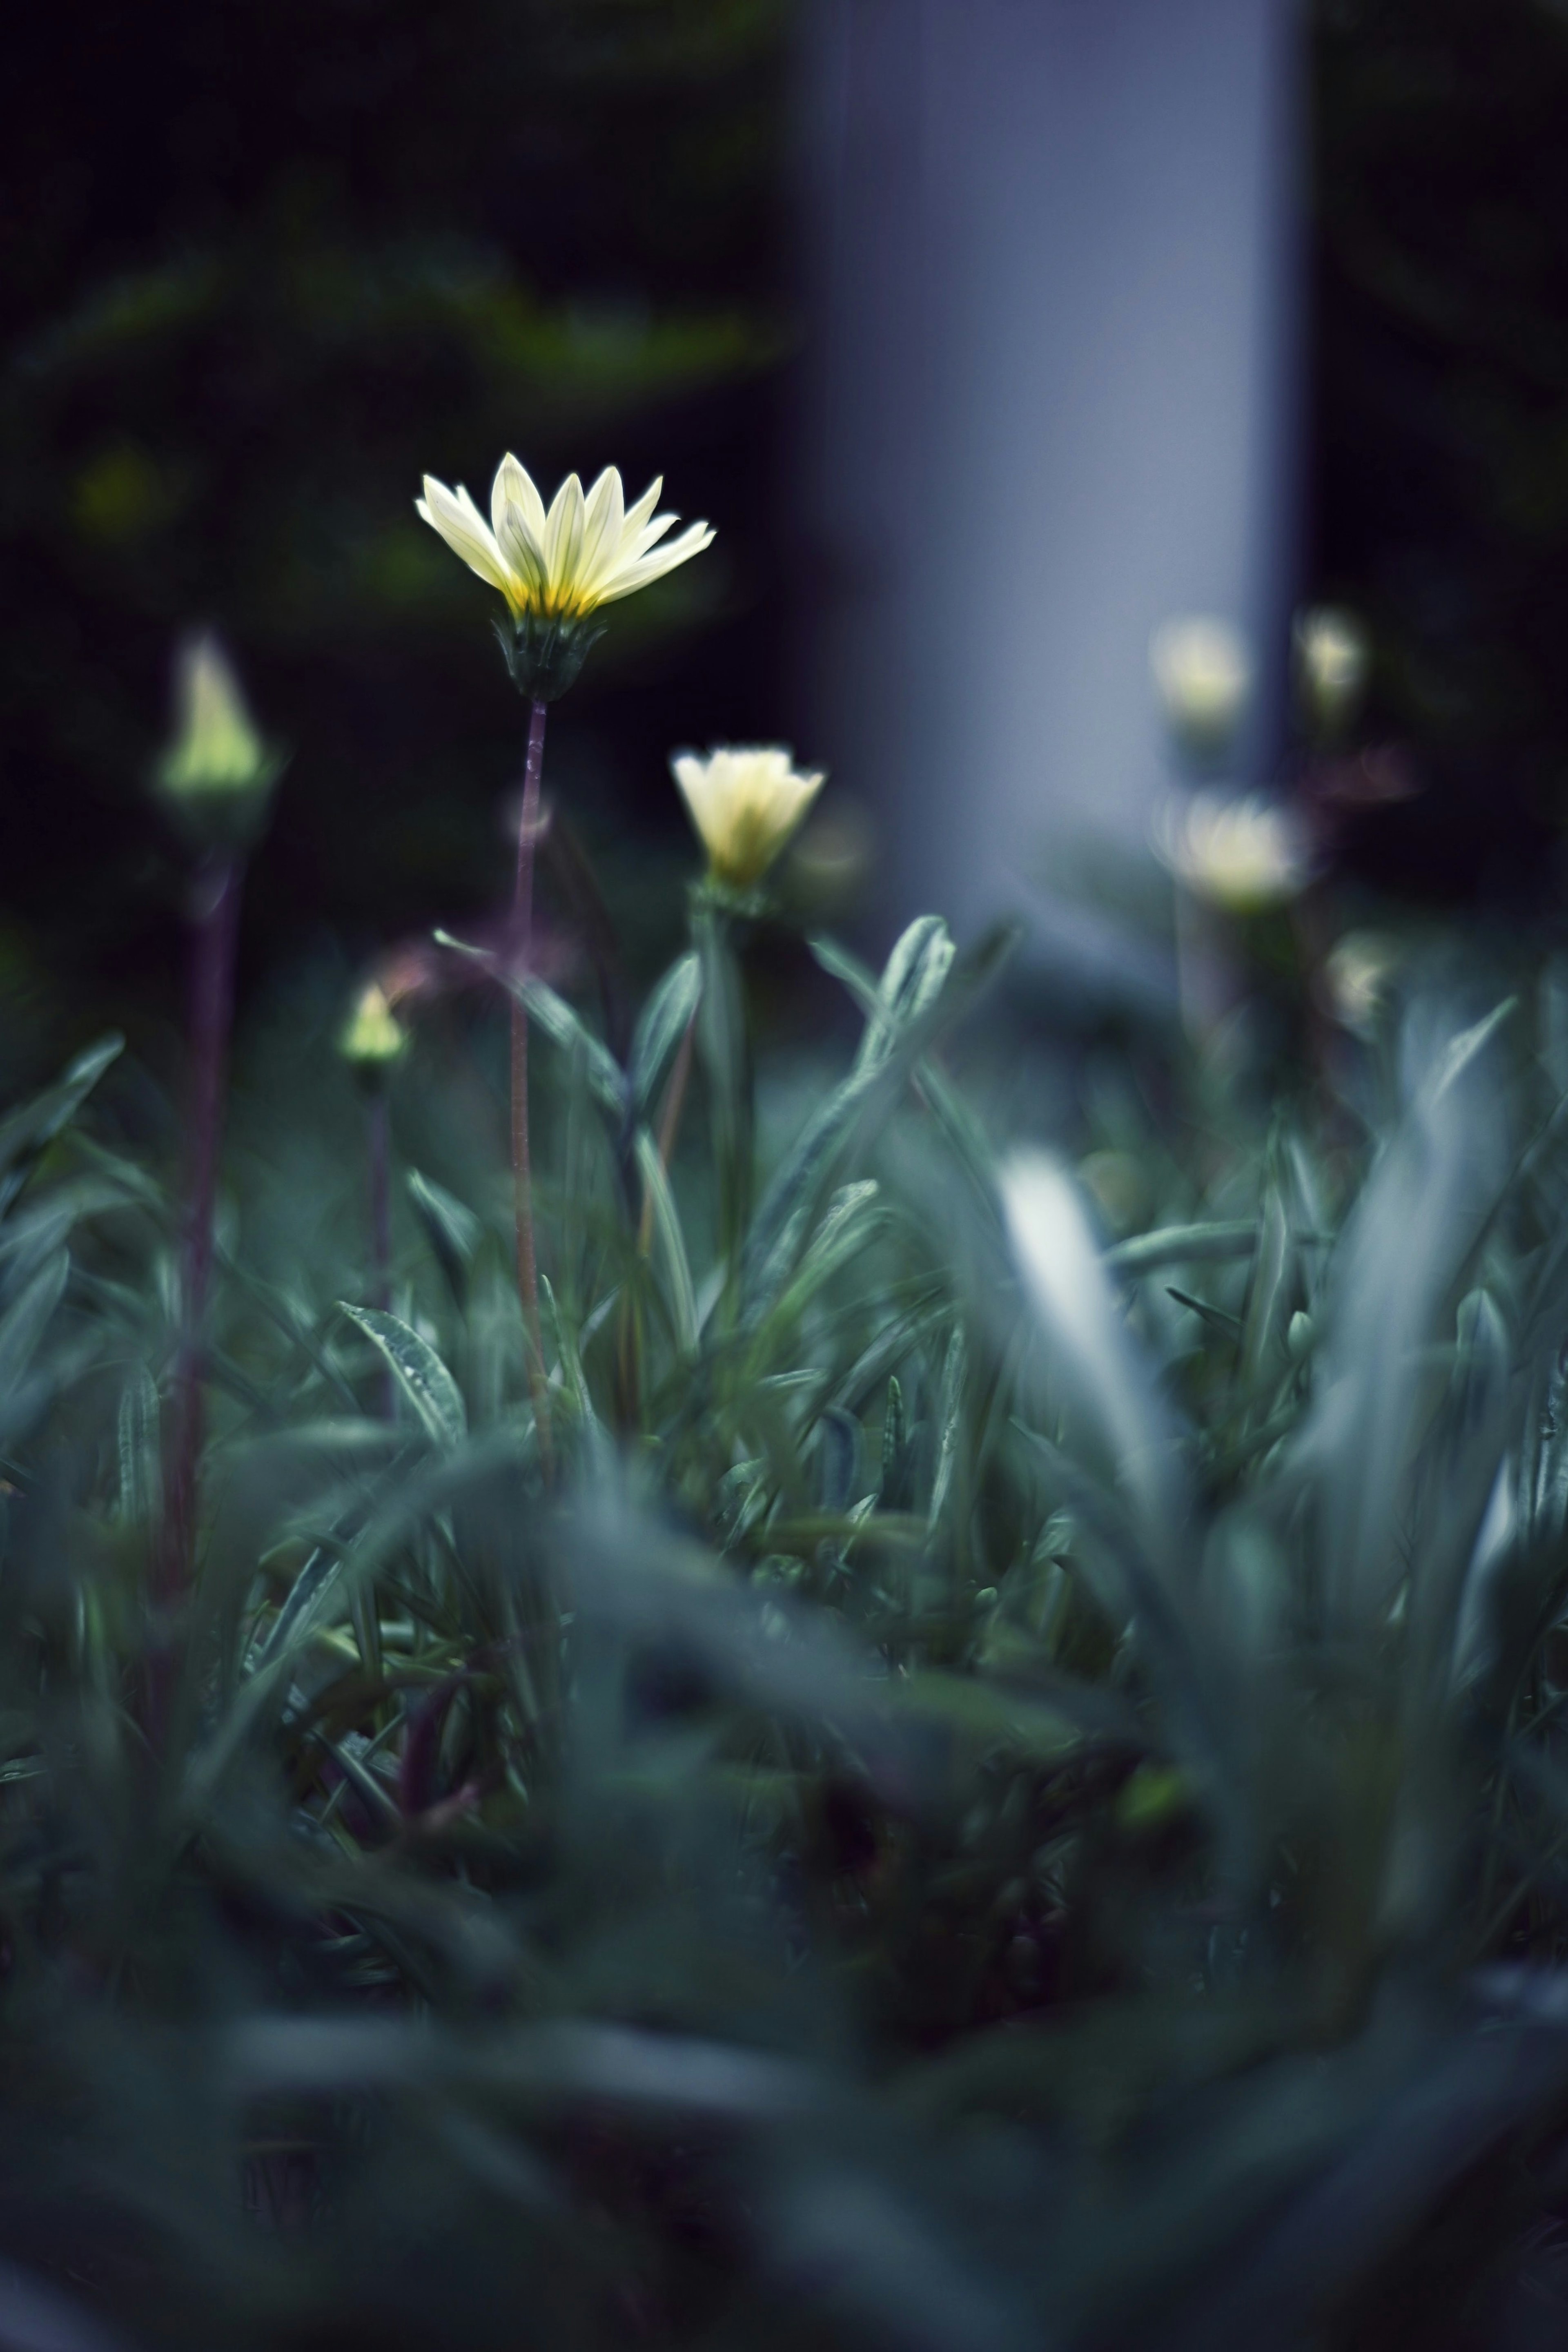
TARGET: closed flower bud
(744,802)
(1203,671)
(373,1036)
(1333,661)
(218,774)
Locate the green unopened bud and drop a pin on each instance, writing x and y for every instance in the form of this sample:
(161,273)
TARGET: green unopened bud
(373,1036)
(218,774)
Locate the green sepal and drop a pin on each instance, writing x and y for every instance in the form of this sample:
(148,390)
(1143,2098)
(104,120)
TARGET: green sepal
(546,655)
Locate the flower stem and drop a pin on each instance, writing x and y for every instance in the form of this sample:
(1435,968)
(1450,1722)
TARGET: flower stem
(522,1174)
(378,1137)
(218,888)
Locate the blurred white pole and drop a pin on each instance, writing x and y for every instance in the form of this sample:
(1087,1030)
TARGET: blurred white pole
(1053,294)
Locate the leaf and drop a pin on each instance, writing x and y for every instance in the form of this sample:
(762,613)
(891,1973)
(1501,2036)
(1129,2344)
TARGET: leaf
(1184,1245)
(852,1216)
(1228,1326)
(429,1387)
(1102,1379)
(951,1421)
(453,1231)
(25,1132)
(671,1008)
(672,1244)
(24,1321)
(918,973)
(913,978)
(311,1583)
(140,1478)
(558,1023)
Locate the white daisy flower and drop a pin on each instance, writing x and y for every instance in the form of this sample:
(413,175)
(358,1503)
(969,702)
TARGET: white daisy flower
(587,550)
(745,803)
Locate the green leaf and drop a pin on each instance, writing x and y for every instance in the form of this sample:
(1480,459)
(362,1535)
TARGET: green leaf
(429,1387)
(139,1479)
(853,1216)
(24,1321)
(453,1231)
(27,1131)
(672,1243)
(558,1023)
(913,978)
(665,1017)
(1185,1246)
(920,974)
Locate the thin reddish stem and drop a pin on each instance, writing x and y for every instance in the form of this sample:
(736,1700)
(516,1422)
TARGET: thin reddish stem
(522,1172)
(219,887)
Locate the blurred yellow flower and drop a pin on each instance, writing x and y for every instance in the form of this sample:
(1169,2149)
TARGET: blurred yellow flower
(745,803)
(1203,670)
(373,1036)
(1242,853)
(216,748)
(588,550)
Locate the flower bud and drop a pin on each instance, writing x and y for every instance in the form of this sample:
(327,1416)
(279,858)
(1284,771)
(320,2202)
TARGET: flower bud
(1358,973)
(1332,659)
(373,1036)
(1203,671)
(216,776)
(745,803)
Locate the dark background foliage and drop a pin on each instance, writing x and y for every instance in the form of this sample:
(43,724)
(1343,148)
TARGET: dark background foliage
(262,267)
(1439,478)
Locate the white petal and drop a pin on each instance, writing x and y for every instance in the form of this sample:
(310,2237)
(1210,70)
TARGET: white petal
(601,527)
(518,513)
(641,568)
(464,529)
(637,515)
(696,780)
(563,537)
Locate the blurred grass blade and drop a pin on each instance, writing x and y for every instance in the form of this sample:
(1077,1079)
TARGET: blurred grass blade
(453,1231)
(665,1019)
(672,1243)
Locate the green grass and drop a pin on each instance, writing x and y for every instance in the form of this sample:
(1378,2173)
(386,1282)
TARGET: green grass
(965,1811)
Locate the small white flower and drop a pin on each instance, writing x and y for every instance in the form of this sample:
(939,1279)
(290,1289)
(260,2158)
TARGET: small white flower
(745,803)
(1203,670)
(589,549)
(1332,659)
(1242,853)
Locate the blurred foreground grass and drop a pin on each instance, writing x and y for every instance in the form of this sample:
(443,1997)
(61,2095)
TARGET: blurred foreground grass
(1007,1791)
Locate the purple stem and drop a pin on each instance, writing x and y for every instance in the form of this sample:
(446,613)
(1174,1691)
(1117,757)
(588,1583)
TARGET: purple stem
(522,1172)
(219,884)
(379,1136)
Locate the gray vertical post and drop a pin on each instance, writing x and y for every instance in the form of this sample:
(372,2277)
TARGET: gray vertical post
(1053,292)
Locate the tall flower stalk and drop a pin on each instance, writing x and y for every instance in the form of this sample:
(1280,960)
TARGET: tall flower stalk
(216,782)
(522,1164)
(371,1041)
(216,933)
(554,569)
(746,804)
